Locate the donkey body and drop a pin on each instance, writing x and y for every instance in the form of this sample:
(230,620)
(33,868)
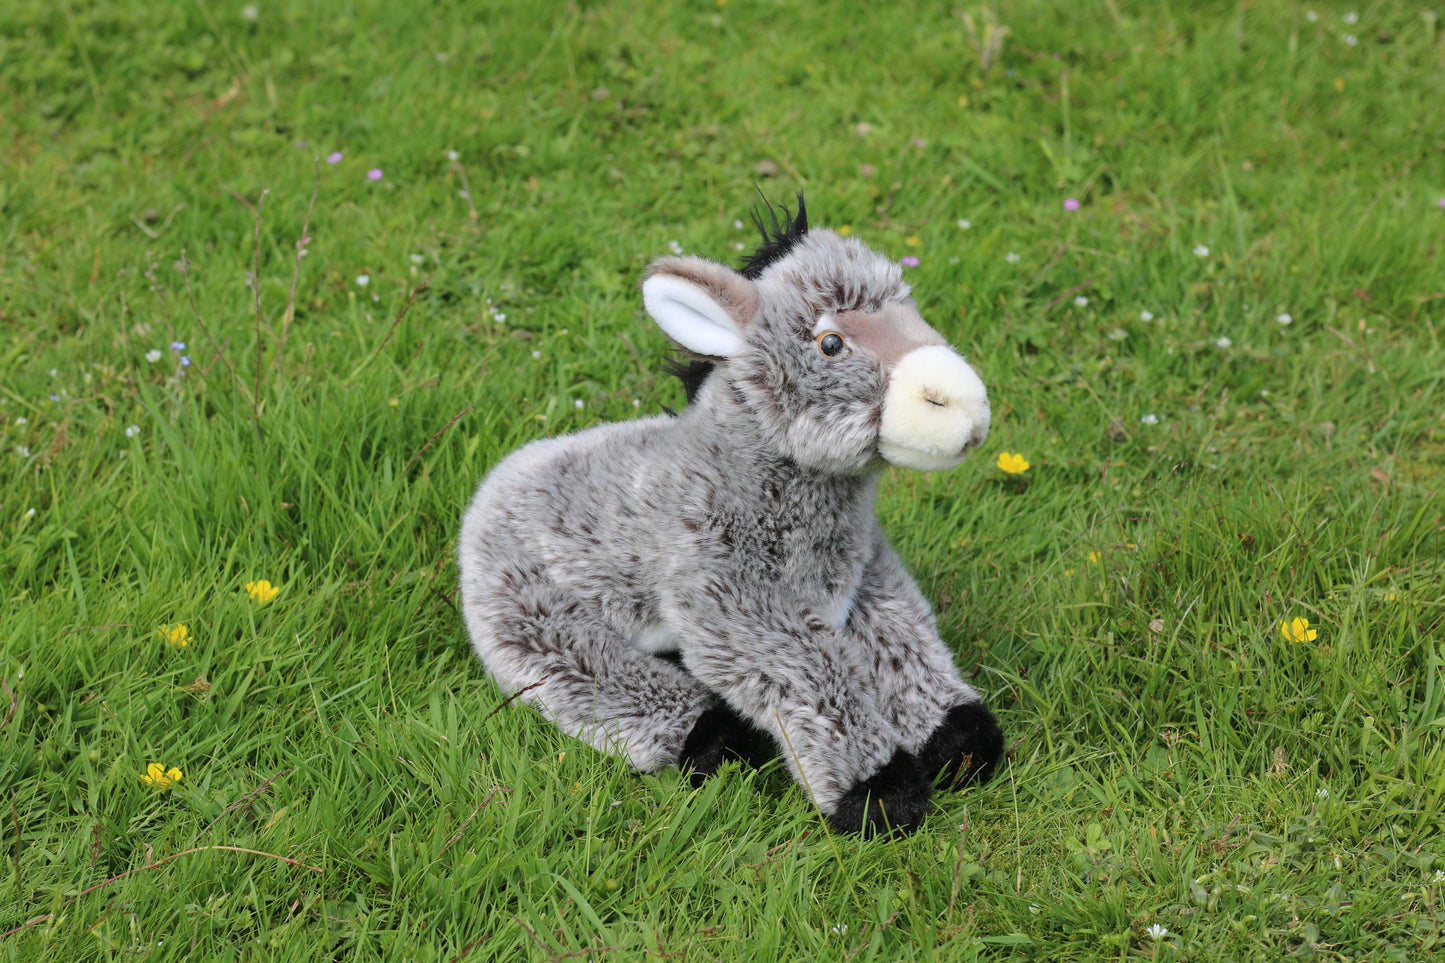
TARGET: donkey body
(681,589)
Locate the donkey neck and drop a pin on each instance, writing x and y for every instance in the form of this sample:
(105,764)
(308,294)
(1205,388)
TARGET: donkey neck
(719,429)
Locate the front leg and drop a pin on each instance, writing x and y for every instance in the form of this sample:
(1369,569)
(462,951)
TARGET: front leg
(787,671)
(941,718)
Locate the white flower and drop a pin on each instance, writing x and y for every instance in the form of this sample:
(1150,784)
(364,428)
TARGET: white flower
(1011,257)
(1351,18)
(738,225)
(453,156)
(153,355)
(417,259)
(1146,315)
(22,451)
(1284,318)
(841,929)
(1439,873)
(1201,250)
(637,402)
(965,223)
(1322,793)
(536,356)
(577,404)
(1311,16)
(1350,39)
(675,247)
(1118,334)
(132,431)
(22,420)
(1081,302)
(1149,419)
(249,12)
(362,280)
(1156,932)
(1223,342)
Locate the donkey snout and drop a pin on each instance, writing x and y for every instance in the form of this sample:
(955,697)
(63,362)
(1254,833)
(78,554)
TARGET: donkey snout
(934,410)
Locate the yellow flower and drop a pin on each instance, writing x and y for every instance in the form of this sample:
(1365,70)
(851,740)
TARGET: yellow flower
(159,776)
(912,240)
(845,230)
(261,592)
(177,635)
(1298,630)
(1096,556)
(1012,462)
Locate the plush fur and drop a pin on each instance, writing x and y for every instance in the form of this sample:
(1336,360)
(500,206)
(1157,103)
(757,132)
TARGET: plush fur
(682,590)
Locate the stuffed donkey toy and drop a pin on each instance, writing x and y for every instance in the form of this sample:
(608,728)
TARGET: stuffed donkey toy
(686,588)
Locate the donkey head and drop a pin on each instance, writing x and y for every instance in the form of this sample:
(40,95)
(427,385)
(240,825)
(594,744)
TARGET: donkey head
(818,339)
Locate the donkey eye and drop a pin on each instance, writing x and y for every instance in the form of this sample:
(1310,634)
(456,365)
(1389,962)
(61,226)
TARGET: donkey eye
(830,343)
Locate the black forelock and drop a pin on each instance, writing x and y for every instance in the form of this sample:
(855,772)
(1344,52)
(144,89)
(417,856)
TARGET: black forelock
(779,235)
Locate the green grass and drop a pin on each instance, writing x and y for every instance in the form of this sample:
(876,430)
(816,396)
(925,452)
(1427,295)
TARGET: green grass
(351,788)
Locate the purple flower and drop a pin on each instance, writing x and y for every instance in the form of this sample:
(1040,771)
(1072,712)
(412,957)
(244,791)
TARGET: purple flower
(1071,204)
(374,174)
(178,346)
(1442,203)
(334,157)
(185,361)
(55,397)
(910,261)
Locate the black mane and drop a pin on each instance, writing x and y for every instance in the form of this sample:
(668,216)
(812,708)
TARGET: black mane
(779,237)
(690,371)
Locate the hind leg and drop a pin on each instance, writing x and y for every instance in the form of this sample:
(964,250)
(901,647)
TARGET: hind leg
(556,651)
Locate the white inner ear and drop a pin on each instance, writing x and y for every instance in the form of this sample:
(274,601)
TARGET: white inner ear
(688,315)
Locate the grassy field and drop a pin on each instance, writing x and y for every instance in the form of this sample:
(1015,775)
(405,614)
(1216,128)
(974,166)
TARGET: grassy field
(1195,250)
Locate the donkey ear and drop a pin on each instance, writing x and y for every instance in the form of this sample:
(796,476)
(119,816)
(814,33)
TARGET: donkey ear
(703,306)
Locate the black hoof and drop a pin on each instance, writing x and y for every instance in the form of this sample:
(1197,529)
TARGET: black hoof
(966,746)
(892,801)
(719,735)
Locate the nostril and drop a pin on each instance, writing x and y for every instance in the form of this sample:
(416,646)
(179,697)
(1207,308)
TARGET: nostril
(935,399)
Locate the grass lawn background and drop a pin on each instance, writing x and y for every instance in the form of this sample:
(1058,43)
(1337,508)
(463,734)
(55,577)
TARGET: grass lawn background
(1223,365)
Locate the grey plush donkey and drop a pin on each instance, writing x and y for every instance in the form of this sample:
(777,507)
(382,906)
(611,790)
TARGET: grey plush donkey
(686,588)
